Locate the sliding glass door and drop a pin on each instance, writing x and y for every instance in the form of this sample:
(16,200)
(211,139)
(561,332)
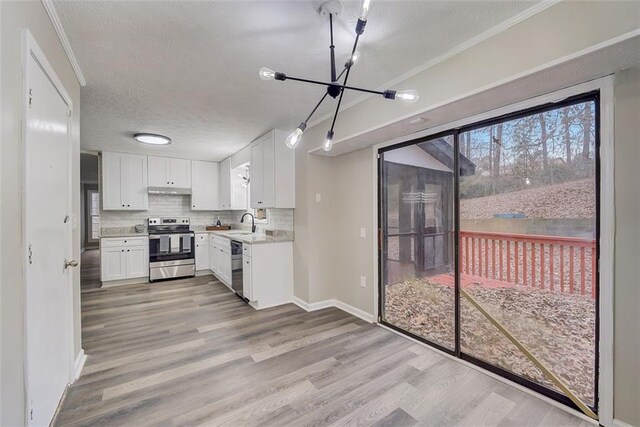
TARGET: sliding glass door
(509,283)
(418,240)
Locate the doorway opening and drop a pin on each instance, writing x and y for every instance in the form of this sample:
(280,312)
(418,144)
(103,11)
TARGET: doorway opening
(489,245)
(90,223)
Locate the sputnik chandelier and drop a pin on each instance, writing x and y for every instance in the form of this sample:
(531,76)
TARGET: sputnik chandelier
(336,88)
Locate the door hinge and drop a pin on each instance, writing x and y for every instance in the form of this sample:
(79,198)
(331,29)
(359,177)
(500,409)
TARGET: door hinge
(30,97)
(30,255)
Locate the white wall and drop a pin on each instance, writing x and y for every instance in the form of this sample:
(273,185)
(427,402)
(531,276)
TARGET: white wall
(15,17)
(627,247)
(346,182)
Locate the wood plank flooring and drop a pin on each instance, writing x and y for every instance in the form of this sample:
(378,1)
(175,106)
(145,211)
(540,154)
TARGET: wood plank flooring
(90,269)
(189,352)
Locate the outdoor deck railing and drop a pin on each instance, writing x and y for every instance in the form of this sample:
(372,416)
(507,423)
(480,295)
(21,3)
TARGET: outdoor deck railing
(559,264)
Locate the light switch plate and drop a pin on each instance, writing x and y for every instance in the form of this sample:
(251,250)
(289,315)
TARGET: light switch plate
(318,197)
(363,281)
(363,232)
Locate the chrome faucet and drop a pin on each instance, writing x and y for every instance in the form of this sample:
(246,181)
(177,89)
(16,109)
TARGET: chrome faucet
(253,221)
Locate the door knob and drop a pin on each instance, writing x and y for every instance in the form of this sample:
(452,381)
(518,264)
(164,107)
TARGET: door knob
(72,263)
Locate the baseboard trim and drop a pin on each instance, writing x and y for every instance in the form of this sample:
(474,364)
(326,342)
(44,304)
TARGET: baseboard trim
(81,358)
(619,423)
(123,282)
(354,311)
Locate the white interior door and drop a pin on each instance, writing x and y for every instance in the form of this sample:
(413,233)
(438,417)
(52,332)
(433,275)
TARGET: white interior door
(48,226)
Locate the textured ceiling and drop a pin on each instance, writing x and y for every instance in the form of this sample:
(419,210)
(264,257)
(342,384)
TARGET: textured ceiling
(189,70)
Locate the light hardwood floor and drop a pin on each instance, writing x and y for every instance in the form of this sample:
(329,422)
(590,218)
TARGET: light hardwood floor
(189,352)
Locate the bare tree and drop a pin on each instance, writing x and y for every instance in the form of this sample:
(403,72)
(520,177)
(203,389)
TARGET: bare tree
(586,119)
(544,137)
(566,129)
(497,141)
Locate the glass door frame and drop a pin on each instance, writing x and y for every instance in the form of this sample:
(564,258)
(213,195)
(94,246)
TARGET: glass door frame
(590,96)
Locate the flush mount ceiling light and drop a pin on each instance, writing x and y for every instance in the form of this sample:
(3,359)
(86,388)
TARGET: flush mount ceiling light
(336,88)
(152,138)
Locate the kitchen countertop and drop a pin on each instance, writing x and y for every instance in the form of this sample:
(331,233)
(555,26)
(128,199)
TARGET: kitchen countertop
(120,235)
(254,238)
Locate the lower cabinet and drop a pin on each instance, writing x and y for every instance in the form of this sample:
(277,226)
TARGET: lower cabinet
(124,258)
(202,252)
(113,264)
(247,284)
(267,273)
(220,258)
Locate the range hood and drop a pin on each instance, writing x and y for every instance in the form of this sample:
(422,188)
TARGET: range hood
(178,191)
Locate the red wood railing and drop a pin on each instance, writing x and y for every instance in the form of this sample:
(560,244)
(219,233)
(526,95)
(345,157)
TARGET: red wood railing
(559,264)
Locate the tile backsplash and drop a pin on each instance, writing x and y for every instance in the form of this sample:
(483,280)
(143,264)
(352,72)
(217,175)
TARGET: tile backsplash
(161,205)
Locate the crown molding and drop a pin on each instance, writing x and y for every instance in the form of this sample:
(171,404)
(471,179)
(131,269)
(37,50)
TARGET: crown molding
(497,29)
(57,25)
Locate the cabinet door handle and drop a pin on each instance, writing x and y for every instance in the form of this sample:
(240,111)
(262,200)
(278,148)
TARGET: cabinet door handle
(127,250)
(172,182)
(167,182)
(122,250)
(128,206)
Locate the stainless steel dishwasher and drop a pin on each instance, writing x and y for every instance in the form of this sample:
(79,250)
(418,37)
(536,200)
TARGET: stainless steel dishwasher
(236,269)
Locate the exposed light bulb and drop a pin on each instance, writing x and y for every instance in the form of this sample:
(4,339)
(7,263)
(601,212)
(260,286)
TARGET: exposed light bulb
(294,138)
(407,96)
(355,57)
(365,10)
(267,73)
(328,142)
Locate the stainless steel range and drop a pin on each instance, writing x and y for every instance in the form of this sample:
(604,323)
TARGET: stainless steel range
(171,249)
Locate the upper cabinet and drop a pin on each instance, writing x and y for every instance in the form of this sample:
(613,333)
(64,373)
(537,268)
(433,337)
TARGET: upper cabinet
(225,184)
(204,187)
(124,182)
(167,172)
(272,172)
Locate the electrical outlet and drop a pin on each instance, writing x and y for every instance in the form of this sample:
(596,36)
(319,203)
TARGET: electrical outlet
(363,281)
(318,197)
(363,232)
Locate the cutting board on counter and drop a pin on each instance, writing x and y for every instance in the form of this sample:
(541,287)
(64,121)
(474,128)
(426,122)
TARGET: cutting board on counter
(218,227)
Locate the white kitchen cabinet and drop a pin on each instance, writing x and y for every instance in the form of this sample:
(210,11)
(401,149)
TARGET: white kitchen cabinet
(272,172)
(247,284)
(268,273)
(113,264)
(204,187)
(202,252)
(225,184)
(220,258)
(137,261)
(225,266)
(213,255)
(124,182)
(124,258)
(168,172)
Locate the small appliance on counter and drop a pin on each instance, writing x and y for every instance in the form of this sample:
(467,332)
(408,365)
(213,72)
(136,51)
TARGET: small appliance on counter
(218,226)
(171,249)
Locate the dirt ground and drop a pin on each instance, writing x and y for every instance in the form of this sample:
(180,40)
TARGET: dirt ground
(558,329)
